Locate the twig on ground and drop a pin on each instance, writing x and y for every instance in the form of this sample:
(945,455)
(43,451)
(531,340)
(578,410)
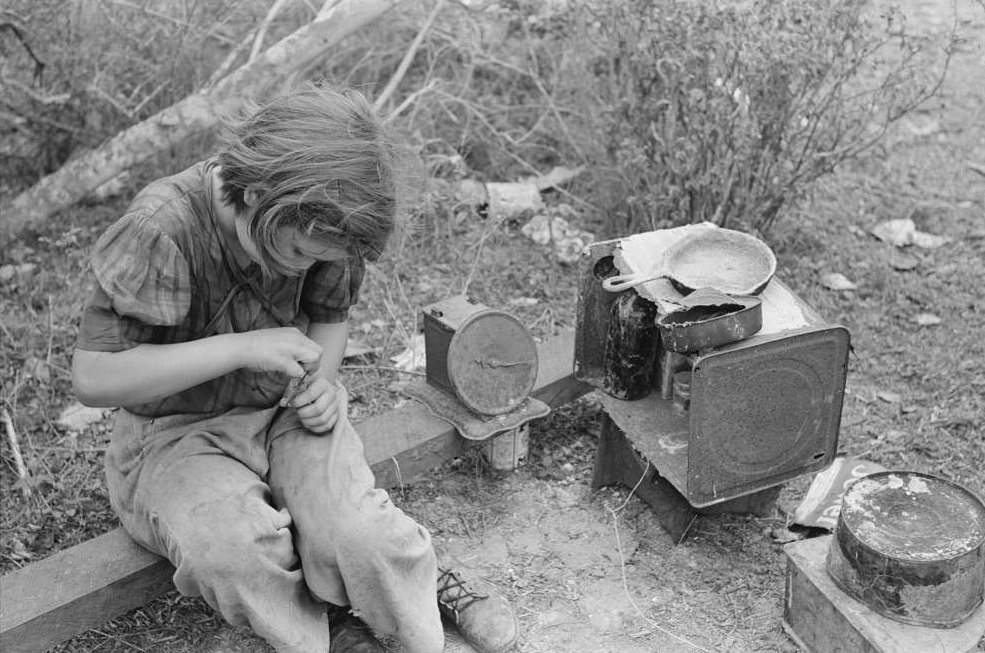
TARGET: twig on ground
(410,99)
(22,472)
(415,45)
(977,167)
(622,567)
(478,255)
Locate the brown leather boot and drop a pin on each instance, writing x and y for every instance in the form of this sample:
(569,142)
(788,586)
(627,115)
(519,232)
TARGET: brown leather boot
(349,633)
(483,616)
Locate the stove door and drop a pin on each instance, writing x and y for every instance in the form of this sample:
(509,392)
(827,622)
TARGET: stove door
(764,411)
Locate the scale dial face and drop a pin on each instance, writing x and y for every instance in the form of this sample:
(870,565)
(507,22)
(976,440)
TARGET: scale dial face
(492,362)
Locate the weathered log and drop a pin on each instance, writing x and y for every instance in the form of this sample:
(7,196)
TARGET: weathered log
(195,115)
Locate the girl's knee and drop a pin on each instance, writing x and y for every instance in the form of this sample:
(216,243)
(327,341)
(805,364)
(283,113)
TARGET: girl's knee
(235,540)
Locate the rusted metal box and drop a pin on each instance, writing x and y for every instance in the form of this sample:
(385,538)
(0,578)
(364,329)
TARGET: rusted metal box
(483,356)
(759,411)
(441,320)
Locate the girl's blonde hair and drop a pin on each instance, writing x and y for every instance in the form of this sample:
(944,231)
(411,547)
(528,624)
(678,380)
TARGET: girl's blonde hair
(321,165)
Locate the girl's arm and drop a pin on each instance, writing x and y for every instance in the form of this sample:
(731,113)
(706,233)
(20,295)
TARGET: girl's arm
(332,338)
(149,372)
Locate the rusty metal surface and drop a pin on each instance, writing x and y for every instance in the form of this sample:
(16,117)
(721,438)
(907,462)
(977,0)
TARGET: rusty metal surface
(492,362)
(594,309)
(912,547)
(441,320)
(704,327)
(764,411)
(656,430)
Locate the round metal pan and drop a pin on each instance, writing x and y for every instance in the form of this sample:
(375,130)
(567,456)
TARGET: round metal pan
(730,261)
(703,327)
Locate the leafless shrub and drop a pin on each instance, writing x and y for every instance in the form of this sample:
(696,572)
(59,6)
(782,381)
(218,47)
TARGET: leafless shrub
(728,111)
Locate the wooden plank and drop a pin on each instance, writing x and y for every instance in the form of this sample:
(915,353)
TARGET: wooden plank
(81,587)
(76,589)
(822,618)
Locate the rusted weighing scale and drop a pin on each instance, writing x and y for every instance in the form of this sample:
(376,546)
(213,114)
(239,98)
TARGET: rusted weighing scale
(481,365)
(724,426)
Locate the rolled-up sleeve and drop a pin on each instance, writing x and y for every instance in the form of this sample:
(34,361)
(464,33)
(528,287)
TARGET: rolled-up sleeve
(141,280)
(330,288)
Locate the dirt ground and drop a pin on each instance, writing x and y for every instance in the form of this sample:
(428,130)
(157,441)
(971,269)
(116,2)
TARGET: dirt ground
(592,571)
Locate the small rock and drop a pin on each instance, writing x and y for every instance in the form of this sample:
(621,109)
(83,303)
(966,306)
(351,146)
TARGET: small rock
(927,319)
(895,232)
(928,241)
(77,417)
(902,262)
(837,281)
(22,272)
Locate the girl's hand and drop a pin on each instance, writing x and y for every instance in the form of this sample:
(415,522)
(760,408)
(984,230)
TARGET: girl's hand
(320,405)
(285,349)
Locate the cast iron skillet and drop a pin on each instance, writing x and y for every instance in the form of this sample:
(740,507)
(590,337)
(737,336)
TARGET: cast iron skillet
(730,261)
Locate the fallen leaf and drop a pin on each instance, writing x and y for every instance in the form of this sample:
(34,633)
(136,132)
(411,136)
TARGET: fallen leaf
(22,272)
(355,348)
(928,241)
(837,281)
(567,241)
(413,357)
(511,201)
(895,232)
(902,262)
(557,176)
(927,319)
(35,368)
(77,417)
(926,128)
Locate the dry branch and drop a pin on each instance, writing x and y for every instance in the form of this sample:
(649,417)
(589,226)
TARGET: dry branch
(22,473)
(195,115)
(262,32)
(391,85)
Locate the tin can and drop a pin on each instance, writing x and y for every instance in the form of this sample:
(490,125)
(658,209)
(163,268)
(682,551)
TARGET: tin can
(912,547)
(507,451)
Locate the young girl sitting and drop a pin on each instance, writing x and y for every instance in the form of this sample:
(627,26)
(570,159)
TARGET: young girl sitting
(218,286)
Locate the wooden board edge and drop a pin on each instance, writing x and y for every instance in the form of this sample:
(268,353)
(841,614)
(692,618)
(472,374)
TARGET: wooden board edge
(401,444)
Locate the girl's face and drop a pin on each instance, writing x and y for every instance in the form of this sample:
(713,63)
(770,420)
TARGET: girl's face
(298,252)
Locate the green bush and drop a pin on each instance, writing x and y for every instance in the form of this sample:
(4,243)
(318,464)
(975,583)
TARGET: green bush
(728,111)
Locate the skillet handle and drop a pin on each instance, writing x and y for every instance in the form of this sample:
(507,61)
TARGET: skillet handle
(621,282)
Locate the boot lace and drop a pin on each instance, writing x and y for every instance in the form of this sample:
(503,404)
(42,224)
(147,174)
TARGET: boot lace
(454,594)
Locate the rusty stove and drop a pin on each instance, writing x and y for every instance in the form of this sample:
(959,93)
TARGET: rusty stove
(718,428)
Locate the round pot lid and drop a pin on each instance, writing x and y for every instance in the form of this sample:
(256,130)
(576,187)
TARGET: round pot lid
(492,362)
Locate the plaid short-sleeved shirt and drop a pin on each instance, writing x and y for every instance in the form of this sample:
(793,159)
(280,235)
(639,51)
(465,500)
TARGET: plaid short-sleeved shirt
(162,276)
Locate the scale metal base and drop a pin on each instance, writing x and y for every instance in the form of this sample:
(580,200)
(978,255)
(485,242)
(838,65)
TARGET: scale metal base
(618,463)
